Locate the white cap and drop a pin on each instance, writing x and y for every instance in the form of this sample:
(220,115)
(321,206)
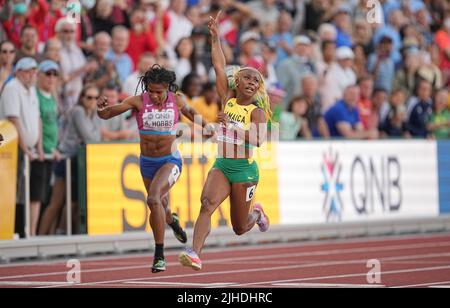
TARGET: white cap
(302,39)
(249,35)
(344,52)
(26,64)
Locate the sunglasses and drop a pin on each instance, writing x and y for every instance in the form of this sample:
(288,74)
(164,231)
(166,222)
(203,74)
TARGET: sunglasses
(88,97)
(8,51)
(51,73)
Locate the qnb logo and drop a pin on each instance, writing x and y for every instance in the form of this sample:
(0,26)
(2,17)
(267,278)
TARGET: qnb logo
(332,187)
(374,15)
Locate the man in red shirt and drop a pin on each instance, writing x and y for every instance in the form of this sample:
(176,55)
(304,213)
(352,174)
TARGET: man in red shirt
(33,15)
(365,105)
(443,41)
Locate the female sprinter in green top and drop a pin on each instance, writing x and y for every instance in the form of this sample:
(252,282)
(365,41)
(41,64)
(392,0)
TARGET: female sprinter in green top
(235,173)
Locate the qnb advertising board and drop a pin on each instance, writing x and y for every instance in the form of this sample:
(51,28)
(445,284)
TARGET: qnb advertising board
(355,181)
(302,182)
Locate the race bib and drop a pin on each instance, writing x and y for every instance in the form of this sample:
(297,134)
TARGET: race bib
(158,120)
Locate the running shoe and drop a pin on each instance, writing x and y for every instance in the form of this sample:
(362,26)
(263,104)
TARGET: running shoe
(159,265)
(178,231)
(263,221)
(190,259)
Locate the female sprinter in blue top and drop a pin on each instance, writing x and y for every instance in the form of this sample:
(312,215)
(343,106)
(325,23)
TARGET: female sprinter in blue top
(157,112)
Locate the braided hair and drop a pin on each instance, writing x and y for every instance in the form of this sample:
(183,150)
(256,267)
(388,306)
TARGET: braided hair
(158,75)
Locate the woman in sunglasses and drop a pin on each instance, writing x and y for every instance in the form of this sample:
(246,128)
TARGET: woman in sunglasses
(83,127)
(157,112)
(7,58)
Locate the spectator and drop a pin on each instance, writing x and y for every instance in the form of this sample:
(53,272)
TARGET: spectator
(7,56)
(84,126)
(419,110)
(102,16)
(314,116)
(381,108)
(316,13)
(338,77)
(208,104)
(293,121)
(365,105)
(141,35)
(180,26)
(342,22)
(363,35)
(291,71)
(118,55)
(52,50)
(28,44)
(269,57)
(360,62)
(46,29)
(381,64)
(106,72)
(328,52)
(186,60)
(6,9)
(19,104)
(249,46)
(116,128)
(283,39)
(191,87)
(395,123)
(130,86)
(442,39)
(73,65)
(264,10)
(32,14)
(41,171)
(343,118)
(406,77)
(439,125)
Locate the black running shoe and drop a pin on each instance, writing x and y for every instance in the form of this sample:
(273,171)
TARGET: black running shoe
(179,233)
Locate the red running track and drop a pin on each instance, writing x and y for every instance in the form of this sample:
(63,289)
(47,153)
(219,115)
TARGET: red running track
(406,261)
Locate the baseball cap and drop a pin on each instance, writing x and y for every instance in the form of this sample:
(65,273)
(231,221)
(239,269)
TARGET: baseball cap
(25,64)
(344,52)
(249,35)
(48,65)
(302,39)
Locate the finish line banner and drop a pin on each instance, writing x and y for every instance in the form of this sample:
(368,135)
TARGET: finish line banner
(116,196)
(8,175)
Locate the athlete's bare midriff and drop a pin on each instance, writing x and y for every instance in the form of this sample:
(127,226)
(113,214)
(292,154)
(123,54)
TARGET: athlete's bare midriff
(157,145)
(233,151)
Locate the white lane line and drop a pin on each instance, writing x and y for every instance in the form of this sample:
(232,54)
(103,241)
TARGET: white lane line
(35,283)
(328,285)
(440,287)
(240,271)
(420,285)
(187,284)
(384,273)
(260,257)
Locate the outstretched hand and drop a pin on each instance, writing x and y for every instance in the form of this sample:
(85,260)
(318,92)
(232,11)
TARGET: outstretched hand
(213,24)
(102,103)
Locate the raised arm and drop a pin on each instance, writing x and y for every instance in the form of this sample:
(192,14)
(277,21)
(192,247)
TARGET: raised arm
(218,58)
(106,112)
